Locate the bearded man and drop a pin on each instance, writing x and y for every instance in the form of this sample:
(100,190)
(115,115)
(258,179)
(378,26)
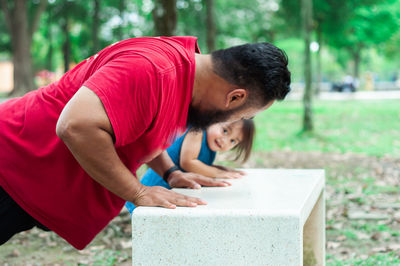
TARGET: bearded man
(70,150)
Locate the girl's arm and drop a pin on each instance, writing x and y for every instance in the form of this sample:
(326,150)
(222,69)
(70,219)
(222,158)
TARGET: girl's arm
(163,162)
(190,150)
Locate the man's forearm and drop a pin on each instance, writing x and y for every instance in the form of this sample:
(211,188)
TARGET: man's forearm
(85,128)
(93,148)
(161,163)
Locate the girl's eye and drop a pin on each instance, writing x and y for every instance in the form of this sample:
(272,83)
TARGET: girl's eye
(233,141)
(225,131)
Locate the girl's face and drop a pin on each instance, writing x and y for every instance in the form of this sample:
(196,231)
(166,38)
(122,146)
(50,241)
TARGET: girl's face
(224,136)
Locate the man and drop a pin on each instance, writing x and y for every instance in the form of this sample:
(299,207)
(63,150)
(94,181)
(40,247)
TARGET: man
(69,151)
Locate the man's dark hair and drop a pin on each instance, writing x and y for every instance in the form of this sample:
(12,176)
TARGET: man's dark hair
(261,68)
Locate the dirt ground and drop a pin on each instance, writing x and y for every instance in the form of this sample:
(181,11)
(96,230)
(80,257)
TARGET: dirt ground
(363,215)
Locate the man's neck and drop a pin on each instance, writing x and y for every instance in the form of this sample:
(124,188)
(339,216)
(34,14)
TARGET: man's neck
(202,78)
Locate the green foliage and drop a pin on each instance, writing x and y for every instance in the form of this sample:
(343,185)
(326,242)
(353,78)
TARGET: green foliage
(370,26)
(5,42)
(191,20)
(366,25)
(294,48)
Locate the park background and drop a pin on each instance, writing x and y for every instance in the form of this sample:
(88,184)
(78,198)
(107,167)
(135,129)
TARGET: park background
(349,45)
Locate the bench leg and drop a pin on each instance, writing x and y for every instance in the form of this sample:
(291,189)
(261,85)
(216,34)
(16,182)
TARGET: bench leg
(314,235)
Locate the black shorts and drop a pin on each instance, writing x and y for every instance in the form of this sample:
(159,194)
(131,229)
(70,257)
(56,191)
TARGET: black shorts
(13,219)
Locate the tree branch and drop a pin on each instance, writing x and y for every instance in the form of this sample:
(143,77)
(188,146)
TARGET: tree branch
(35,21)
(7,15)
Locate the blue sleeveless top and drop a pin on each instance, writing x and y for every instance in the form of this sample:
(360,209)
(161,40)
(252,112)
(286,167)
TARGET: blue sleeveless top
(151,178)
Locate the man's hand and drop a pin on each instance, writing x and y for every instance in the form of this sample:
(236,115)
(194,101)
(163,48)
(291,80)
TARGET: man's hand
(162,197)
(180,179)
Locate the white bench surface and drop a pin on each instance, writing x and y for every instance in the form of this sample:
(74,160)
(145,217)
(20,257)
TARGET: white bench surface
(271,192)
(258,220)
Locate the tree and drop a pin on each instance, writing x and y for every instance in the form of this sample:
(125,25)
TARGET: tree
(21,27)
(210,24)
(320,9)
(65,26)
(165,17)
(306,12)
(121,9)
(248,21)
(95,26)
(360,24)
(49,62)
(66,15)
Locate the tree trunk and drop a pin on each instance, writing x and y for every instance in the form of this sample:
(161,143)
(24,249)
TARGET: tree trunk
(95,28)
(21,46)
(357,59)
(121,9)
(67,42)
(271,36)
(307,27)
(165,17)
(211,26)
(49,63)
(318,63)
(21,31)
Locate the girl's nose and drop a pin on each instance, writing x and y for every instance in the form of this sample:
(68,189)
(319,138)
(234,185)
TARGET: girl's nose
(223,142)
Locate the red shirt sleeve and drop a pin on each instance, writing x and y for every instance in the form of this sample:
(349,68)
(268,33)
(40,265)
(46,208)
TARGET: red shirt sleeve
(127,87)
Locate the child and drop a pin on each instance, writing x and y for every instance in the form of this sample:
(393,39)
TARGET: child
(195,152)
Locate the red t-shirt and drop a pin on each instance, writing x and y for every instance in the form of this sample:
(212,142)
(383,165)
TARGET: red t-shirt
(145,85)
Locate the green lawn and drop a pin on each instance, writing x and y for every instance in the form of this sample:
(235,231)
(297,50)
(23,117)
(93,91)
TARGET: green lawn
(379,259)
(369,127)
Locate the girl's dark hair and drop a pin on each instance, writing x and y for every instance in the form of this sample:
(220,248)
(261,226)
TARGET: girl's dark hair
(243,149)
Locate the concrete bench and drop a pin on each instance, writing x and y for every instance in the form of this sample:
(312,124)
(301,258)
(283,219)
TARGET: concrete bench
(270,217)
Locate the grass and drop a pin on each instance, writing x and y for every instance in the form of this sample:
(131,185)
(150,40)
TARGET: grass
(374,189)
(377,259)
(369,228)
(365,127)
(368,127)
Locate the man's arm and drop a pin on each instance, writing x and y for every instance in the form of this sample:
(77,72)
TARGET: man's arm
(86,130)
(161,163)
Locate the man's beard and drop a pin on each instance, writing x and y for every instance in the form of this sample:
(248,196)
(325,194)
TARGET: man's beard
(199,120)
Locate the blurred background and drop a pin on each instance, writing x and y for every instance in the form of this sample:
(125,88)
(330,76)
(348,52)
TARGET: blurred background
(343,113)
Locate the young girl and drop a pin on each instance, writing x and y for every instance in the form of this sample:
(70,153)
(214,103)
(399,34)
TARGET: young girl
(195,152)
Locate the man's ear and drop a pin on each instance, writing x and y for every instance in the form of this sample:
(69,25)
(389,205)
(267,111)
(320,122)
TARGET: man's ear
(235,98)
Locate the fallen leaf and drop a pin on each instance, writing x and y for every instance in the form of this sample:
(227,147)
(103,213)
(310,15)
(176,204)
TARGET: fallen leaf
(341,238)
(379,249)
(332,245)
(394,247)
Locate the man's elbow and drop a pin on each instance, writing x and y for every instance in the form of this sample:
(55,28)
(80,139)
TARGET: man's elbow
(66,129)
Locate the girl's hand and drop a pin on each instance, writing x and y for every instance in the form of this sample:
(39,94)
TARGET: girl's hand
(230,174)
(162,197)
(180,179)
(228,169)
(225,168)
